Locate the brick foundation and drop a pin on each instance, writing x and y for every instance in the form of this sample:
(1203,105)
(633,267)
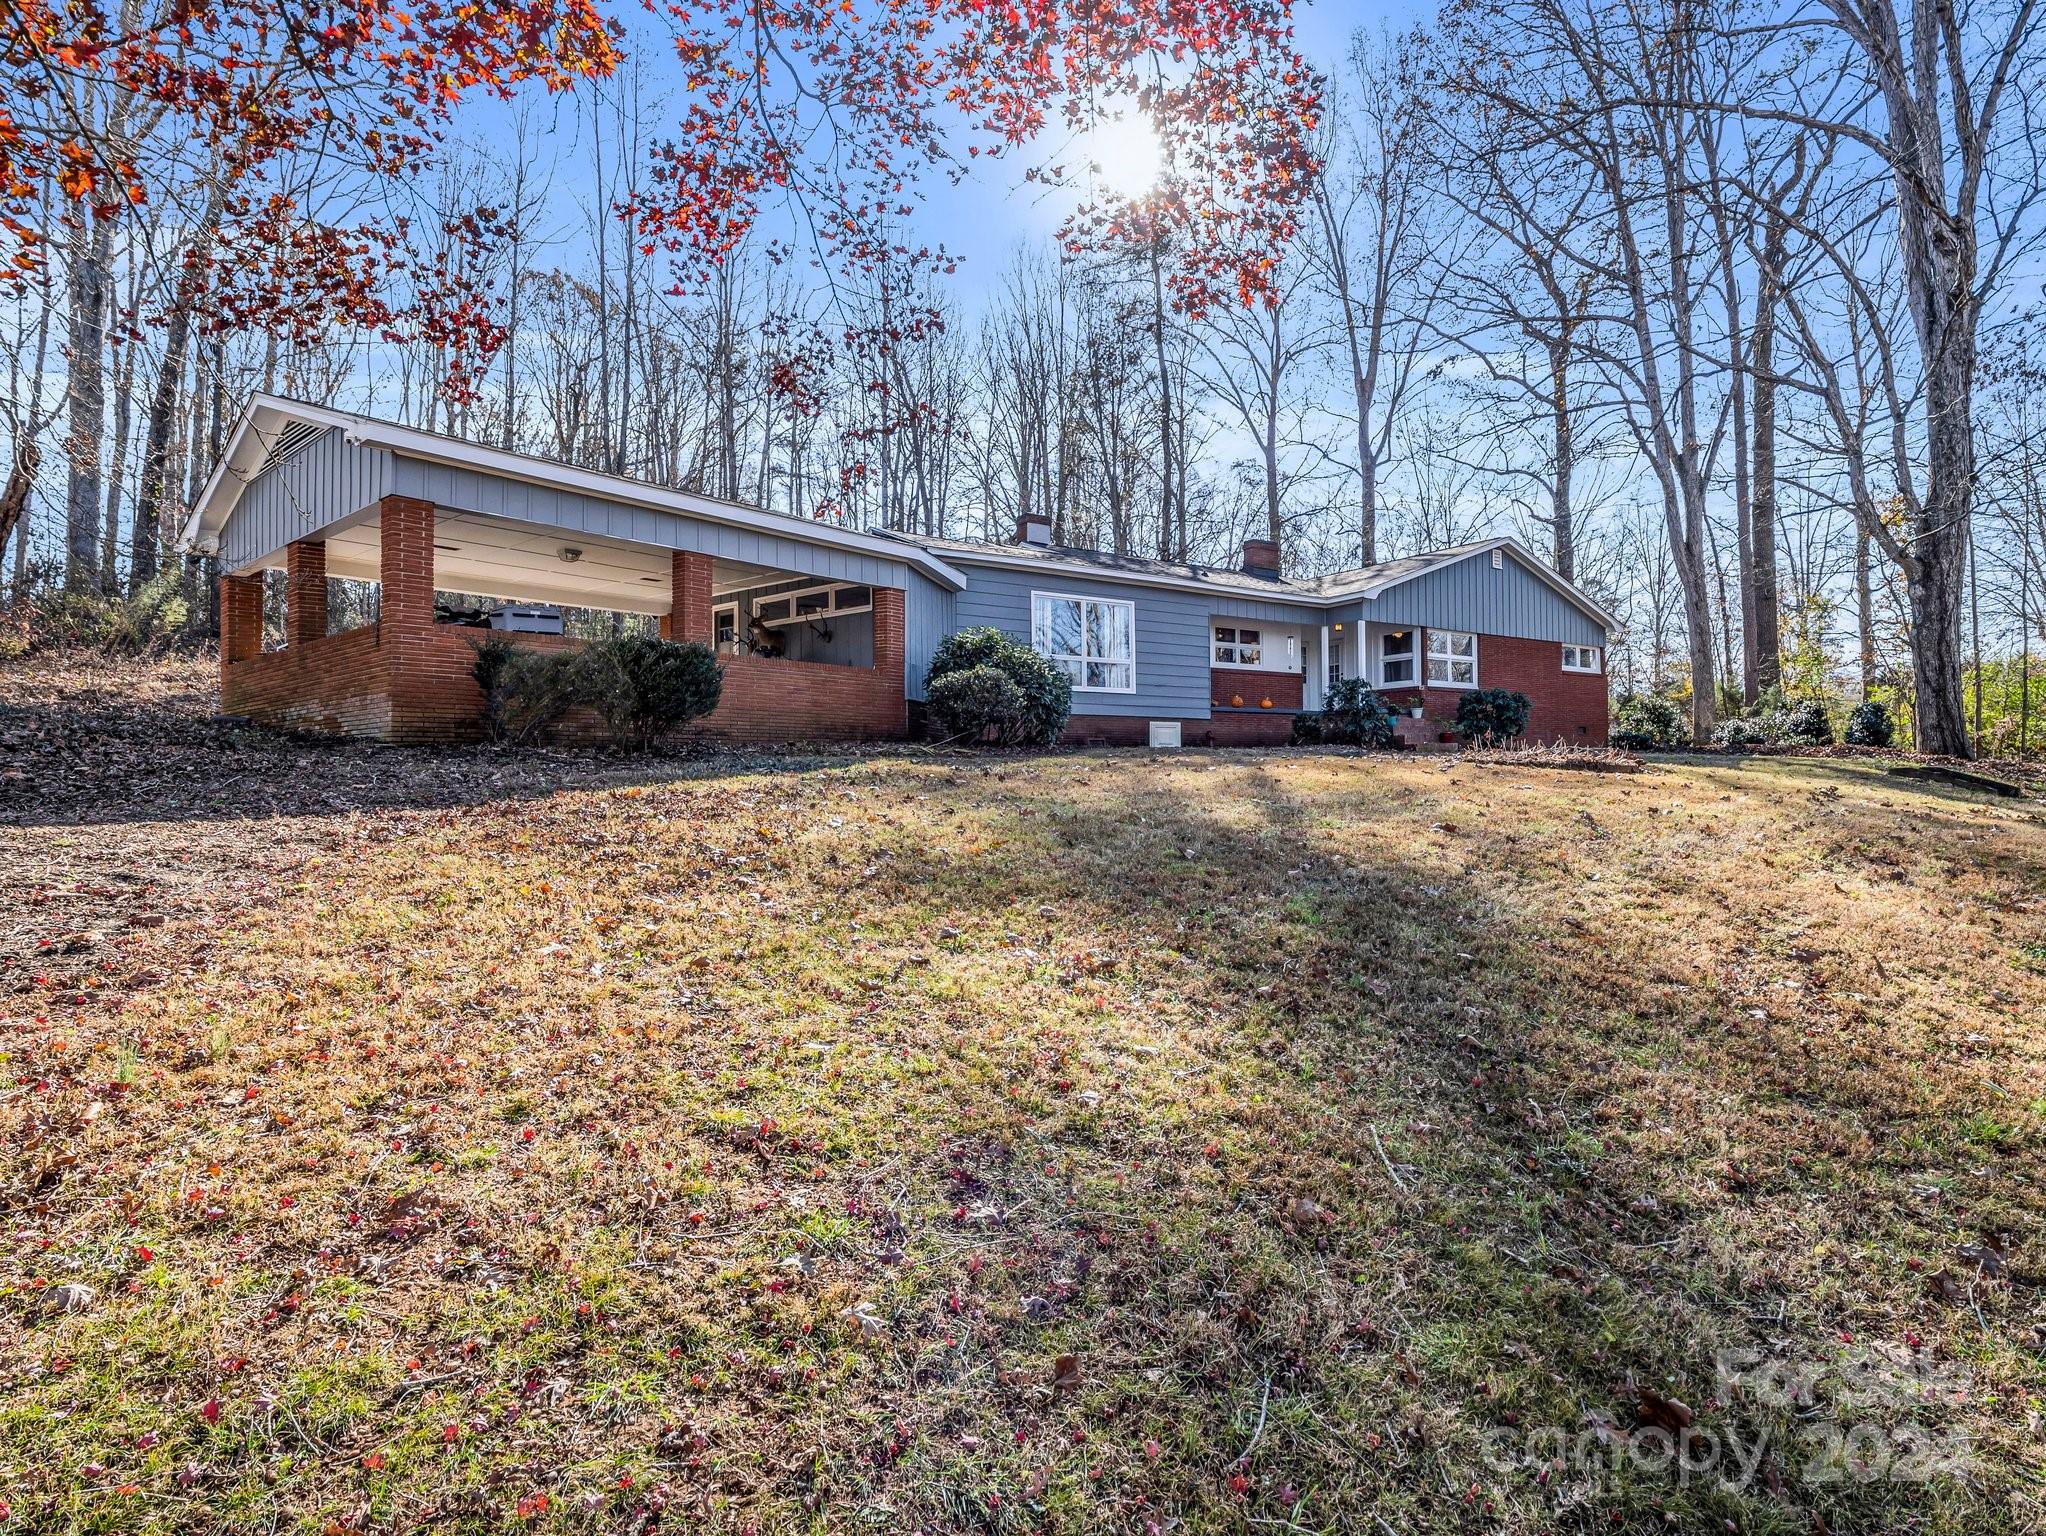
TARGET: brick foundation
(1225,728)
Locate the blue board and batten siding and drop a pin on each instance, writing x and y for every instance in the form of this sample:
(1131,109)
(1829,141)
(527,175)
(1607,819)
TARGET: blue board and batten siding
(1173,643)
(1470,595)
(327,480)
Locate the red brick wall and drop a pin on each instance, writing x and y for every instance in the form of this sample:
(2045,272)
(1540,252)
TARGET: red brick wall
(1569,707)
(341,685)
(1226,683)
(333,686)
(1565,706)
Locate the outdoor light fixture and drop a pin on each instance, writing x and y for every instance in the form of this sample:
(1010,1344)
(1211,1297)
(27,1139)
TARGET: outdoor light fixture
(570,554)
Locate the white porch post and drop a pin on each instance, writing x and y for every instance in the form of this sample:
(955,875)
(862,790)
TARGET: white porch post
(1316,692)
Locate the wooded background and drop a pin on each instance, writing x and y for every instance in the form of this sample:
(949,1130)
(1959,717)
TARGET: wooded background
(1729,311)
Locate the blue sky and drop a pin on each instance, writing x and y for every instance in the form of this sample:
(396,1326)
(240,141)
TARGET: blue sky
(983,220)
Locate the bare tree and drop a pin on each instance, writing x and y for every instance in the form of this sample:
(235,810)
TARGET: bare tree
(1373,206)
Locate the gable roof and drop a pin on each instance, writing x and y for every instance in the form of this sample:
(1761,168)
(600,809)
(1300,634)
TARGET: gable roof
(1359,583)
(273,427)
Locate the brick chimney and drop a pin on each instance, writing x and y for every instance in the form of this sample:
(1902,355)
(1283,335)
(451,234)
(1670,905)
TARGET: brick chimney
(1033,528)
(1261,558)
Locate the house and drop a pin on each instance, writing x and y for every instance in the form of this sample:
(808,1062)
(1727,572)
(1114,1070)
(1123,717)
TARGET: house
(827,633)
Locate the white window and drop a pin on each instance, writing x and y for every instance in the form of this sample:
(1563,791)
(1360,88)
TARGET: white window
(1452,658)
(812,603)
(1580,658)
(1396,658)
(1093,640)
(724,624)
(1238,647)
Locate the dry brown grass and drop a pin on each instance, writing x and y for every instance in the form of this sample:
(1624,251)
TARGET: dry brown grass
(741,1143)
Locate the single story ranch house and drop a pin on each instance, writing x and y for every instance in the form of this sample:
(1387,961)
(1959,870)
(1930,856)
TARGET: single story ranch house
(826,633)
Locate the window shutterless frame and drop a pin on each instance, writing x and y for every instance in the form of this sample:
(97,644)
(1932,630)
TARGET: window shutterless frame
(1582,658)
(806,603)
(1454,651)
(1398,668)
(1075,663)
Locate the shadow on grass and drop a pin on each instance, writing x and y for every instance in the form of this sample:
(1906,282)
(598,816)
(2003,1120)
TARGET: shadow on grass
(1174,1006)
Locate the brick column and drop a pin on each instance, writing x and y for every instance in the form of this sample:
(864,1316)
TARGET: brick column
(689,616)
(241,631)
(407,563)
(891,655)
(241,617)
(890,649)
(305,592)
(419,707)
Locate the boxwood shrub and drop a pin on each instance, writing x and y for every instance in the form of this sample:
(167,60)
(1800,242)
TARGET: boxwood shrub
(1046,693)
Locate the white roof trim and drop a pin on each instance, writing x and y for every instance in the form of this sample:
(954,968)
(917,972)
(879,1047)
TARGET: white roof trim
(1299,597)
(996,555)
(268,415)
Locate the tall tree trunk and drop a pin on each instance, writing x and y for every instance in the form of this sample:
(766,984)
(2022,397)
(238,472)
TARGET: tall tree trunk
(117,466)
(1166,483)
(1562,531)
(21,479)
(153,501)
(1938,573)
(1864,611)
(1762,629)
(90,247)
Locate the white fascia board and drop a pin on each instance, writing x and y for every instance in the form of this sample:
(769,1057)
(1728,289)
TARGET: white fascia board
(1081,569)
(266,414)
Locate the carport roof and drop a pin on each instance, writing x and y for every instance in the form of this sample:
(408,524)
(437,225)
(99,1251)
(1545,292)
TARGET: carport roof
(273,427)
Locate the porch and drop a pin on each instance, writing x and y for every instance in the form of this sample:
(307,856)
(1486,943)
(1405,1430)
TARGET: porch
(807,655)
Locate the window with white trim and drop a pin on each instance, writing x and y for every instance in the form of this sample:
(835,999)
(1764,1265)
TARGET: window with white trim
(1452,658)
(809,604)
(1396,658)
(1238,647)
(724,624)
(1093,640)
(1580,658)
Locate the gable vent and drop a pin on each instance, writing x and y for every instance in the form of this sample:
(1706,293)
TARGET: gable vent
(1497,560)
(294,436)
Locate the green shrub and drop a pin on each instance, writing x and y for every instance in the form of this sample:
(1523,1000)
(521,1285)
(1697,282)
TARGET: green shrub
(645,687)
(1735,734)
(1869,725)
(525,691)
(1648,723)
(1307,729)
(1492,716)
(1353,715)
(976,706)
(1047,692)
(1804,724)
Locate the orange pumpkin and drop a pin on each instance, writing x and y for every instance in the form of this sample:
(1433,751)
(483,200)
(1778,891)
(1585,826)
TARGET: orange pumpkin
(1236,700)
(1264,703)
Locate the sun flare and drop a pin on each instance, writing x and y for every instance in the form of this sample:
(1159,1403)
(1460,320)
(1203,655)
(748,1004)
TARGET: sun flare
(1124,156)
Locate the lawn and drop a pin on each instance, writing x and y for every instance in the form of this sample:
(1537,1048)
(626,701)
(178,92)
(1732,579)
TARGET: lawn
(1216,1141)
